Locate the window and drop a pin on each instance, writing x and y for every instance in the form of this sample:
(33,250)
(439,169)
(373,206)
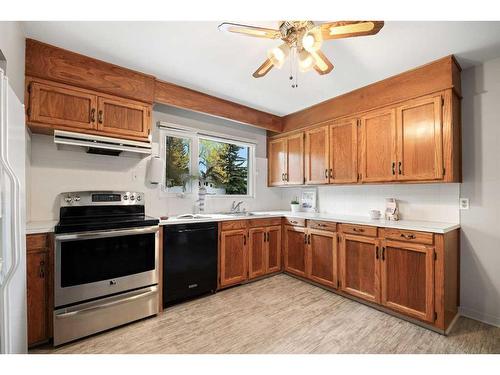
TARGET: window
(221,166)
(177,164)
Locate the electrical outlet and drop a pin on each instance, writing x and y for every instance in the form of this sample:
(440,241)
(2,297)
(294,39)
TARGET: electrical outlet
(464,203)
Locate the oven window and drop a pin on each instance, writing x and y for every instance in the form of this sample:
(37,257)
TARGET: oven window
(87,261)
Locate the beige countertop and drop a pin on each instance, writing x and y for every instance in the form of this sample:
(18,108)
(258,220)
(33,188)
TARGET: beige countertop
(424,226)
(46,226)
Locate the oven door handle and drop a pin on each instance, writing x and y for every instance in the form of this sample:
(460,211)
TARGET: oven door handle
(107,304)
(107,233)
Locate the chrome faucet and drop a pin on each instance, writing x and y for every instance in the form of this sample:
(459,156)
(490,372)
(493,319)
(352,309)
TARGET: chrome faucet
(235,207)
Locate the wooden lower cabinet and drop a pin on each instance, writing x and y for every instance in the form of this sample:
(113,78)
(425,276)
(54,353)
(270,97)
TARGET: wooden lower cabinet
(233,257)
(295,250)
(407,278)
(257,252)
(360,267)
(39,292)
(322,257)
(273,249)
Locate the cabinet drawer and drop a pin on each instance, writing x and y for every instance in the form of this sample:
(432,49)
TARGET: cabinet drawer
(362,230)
(254,223)
(236,224)
(296,222)
(323,225)
(409,235)
(36,242)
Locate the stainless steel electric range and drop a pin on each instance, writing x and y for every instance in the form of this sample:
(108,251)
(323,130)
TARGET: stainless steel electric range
(106,263)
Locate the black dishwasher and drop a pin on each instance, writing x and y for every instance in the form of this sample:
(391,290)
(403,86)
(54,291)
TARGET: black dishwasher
(189,261)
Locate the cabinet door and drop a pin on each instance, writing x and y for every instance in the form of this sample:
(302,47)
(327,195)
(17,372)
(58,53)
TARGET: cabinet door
(60,106)
(420,145)
(257,252)
(295,160)
(316,156)
(322,257)
(273,249)
(408,279)
(119,117)
(37,290)
(344,151)
(233,257)
(295,250)
(277,161)
(378,146)
(360,267)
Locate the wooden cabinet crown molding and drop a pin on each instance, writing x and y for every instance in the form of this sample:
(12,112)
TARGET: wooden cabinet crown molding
(60,65)
(435,76)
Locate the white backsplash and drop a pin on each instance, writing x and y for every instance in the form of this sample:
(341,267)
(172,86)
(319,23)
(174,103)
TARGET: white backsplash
(429,202)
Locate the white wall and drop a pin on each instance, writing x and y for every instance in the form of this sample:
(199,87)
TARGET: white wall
(428,202)
(480,256)
(12,45)
(54,171)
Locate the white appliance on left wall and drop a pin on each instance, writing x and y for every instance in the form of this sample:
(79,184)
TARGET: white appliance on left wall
(13,311)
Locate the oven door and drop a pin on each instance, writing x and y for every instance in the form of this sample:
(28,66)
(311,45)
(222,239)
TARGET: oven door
(90,265)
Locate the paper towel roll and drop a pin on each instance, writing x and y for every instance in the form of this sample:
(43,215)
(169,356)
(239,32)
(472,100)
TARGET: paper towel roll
(155,171)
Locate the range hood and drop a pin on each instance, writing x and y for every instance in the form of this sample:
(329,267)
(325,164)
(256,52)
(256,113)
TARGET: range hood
(96,144)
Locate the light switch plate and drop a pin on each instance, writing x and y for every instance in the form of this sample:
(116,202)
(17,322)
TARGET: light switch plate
(464,203)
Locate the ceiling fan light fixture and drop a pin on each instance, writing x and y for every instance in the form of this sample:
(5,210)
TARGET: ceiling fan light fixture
(306,61)
(278,55)
(352,28)
(312,40)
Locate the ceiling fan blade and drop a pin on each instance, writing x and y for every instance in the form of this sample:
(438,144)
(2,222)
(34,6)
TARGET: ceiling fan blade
(348,29)
(263,69)
(322,64)
(259,32)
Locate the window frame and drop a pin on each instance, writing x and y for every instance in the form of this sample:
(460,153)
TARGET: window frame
(194,135)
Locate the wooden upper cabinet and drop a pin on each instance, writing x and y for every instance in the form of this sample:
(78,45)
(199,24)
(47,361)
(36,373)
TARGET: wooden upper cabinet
(277,161)
(407,277)
(123,118)
(378,146)
(344,151)
(257,252)
(317,155)
(322,257)
(233,257)
(295,160)
(273,249)
(61,106)
(295,250)
(359,267)
(420,144)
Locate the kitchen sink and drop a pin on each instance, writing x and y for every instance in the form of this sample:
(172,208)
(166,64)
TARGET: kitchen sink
(193,216)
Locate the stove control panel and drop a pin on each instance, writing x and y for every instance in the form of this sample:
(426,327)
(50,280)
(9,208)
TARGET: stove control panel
(102,198)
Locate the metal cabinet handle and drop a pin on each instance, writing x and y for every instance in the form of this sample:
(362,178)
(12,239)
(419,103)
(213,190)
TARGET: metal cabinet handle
(408,236)
(321,225)
(331,173)
(244,239)
(360,230)
(41,271)
(393,168)
(286,176)
(383,253)
(326,173)
(309,239)
(92,115)
(100,117)
(305,238)
(399,167)
(293,222)
(376,252)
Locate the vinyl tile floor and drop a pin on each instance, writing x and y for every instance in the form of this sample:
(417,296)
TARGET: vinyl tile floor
(281,314)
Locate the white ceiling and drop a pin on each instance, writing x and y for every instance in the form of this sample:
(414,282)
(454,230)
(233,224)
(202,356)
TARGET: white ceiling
(197,55)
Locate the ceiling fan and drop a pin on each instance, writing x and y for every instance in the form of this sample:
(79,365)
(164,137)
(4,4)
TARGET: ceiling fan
(304,39)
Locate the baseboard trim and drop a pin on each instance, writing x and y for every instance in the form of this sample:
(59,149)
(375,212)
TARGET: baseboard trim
(482,317)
